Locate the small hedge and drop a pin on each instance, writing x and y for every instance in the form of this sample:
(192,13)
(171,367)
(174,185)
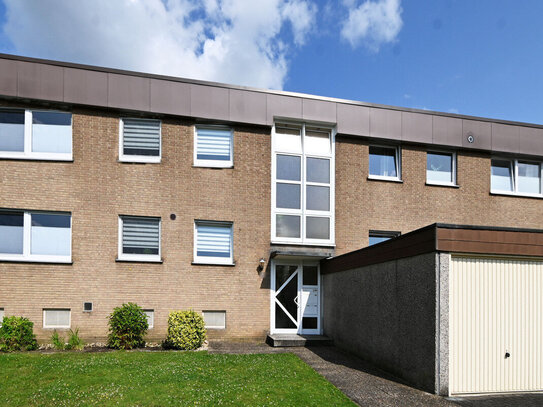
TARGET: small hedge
(186,330)
(17,333)
(127,327)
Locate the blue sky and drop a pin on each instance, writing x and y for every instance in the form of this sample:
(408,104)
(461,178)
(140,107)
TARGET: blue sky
(481,58)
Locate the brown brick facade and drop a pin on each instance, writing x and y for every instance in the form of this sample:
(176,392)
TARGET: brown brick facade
(363,205)
(96,188)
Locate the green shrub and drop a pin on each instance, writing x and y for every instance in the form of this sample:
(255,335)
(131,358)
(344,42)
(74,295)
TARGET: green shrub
(17,333)
(57,341)
(74,341)
(186,330)
(127,327)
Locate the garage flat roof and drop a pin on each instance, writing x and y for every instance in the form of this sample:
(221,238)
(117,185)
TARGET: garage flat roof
(440,237)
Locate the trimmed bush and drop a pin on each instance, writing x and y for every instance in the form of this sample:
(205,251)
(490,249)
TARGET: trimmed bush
(17,333)
(186,330)
(127,327)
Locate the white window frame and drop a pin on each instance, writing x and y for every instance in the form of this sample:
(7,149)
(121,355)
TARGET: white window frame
(151,258)
(453,169)
(215,326)
(213,163)
(514,174)
(2,315)
(58,326)
(382,233)
(138,158)
(303,213)
(398,159)
(152,319)
(27,153)
(26,256)
(229,261)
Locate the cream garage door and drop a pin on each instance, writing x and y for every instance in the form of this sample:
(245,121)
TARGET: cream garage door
(496,335)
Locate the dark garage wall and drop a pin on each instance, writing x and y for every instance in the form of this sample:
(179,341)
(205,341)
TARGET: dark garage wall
(386,314)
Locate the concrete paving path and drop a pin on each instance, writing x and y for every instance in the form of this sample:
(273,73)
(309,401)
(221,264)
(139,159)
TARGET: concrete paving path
(369,386)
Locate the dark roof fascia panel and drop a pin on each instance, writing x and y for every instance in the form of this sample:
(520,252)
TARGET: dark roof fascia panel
(460,239)
(76,84)
(411,244)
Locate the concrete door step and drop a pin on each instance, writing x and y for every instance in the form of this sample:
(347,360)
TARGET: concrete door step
(293,340)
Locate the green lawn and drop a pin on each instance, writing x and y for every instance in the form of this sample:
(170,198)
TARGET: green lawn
(162,379)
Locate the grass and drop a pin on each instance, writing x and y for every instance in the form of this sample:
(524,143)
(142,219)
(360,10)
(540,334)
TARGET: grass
(162,379)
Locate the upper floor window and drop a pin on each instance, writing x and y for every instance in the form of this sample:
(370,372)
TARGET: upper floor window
(213,146)
(384,163)
(140,140)
(440,168)
(378,236)
(303,184)
(35,236)
(213,242)
(139,238)
(35,134)
(516,176)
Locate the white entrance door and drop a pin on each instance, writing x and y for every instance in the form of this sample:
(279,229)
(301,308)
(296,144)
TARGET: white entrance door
(295,302)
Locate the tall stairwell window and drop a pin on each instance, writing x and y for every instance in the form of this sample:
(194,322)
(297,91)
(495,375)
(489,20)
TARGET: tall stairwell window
(303,184)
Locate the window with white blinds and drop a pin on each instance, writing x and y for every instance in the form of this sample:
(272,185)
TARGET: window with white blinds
(140,140)
(213,242)
(1,315)
(214,319)
(139,238)
(213,147)
(150,314)
(56,318)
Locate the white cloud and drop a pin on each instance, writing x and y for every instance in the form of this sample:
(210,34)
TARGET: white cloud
(234,41)
(373,22)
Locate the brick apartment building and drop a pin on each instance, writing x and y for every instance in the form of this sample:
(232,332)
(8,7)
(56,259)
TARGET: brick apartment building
(120,186)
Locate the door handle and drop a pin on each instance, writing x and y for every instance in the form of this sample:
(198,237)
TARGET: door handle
(296,301)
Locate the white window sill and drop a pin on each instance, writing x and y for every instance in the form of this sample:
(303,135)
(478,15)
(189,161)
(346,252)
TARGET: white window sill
(139,159)
(439,184)
(36,156)
(35,259)
(139,259)
(213,164)
(210,262)
(389,179)
(516,194)
(215,327)
(299,243)
(56,327)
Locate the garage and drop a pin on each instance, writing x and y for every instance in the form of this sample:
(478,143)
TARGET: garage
(496,335)
(449,309)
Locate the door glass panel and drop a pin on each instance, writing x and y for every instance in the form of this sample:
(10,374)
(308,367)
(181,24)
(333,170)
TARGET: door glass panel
(318,170)
(310,276)
(318,198)
(309,323)
(288,167)
(288,196)
(286,297)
